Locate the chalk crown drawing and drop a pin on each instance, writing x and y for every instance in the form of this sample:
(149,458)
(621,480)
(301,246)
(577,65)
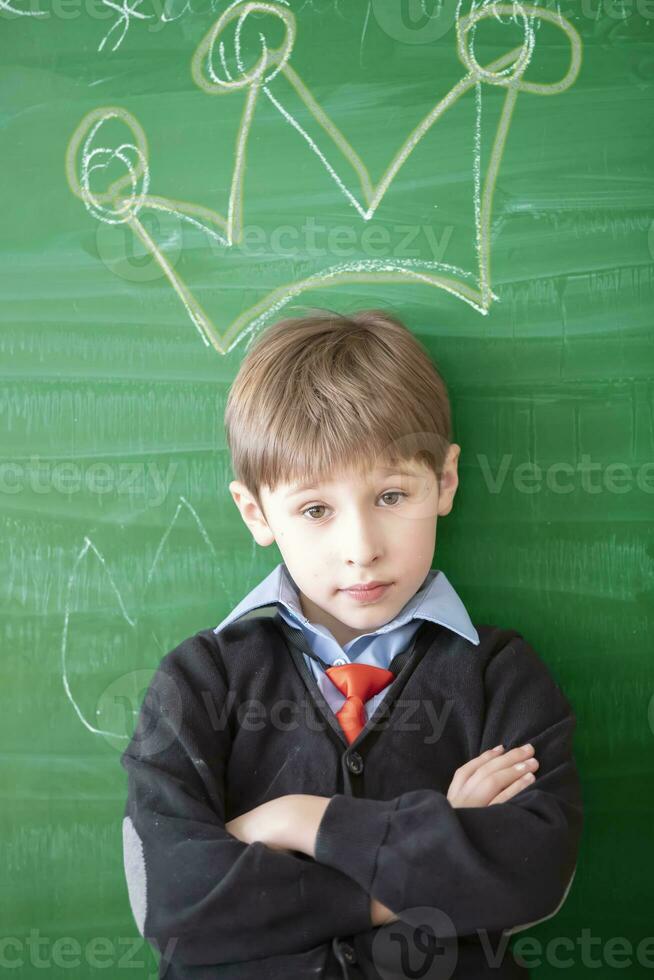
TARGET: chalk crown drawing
(127,197)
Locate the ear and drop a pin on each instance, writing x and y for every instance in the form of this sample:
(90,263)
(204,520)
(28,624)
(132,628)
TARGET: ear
(449,480)
(251,513)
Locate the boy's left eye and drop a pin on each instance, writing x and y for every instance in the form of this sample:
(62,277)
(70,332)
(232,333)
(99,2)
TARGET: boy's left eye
(395,493)
(388,493)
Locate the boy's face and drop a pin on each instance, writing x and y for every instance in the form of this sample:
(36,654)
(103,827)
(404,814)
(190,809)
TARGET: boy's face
(354,529)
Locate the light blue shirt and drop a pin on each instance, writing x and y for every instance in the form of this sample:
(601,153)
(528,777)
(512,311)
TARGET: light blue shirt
(435,600)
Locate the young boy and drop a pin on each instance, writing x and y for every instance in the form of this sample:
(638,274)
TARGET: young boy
(325,784)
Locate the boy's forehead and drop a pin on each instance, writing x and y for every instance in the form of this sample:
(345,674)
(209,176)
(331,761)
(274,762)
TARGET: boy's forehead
(352,476)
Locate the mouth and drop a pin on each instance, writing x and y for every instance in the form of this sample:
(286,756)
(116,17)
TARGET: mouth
(369,593)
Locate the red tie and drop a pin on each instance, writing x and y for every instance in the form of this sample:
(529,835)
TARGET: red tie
(358,682)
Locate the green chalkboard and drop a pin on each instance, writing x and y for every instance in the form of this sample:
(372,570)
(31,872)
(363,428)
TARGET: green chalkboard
(177,174)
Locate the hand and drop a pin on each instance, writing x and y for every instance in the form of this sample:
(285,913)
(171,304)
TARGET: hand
(379,914)
(277,821)
(491,777)
(288,822)
(260,824)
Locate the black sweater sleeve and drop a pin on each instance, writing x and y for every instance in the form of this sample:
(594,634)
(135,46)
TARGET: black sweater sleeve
(497,867)
(197,893)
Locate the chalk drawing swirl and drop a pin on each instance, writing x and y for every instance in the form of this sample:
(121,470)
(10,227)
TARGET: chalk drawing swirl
(210,72)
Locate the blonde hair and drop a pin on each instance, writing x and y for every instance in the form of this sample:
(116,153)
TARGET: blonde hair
(319,394)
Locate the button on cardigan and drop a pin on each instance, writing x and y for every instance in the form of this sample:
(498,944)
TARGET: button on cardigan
(235,718)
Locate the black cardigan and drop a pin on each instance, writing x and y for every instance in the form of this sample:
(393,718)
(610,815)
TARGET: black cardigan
(233,719)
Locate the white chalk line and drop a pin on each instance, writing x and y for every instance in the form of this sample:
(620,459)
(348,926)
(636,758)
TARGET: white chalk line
(10,9)
(125,10)
(87,546)
(256,81)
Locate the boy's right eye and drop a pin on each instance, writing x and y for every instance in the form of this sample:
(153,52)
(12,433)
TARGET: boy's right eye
(313,507)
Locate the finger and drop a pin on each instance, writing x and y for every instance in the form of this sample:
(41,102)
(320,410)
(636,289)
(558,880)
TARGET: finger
(516,787)
(501,761)
(494,783)
(464,772)
(486,783)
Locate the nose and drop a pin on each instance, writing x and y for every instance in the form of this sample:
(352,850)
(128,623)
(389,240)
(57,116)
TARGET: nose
(361,541)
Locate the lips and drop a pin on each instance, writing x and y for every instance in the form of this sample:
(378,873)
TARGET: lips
(366,587)
(371,593)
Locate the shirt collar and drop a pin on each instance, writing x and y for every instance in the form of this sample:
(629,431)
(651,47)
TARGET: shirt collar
(436,600)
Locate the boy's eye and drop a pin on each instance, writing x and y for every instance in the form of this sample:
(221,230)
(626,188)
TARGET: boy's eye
(314,507)
(388,493)
(395,493)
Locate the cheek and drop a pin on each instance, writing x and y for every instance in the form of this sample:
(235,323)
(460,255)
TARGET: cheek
(304,550)
(426,507)
(417,525)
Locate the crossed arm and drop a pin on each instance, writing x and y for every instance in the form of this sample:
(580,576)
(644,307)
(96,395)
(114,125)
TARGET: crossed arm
(292,822)
(319,867)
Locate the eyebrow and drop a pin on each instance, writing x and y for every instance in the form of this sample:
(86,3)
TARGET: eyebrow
(385,471)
